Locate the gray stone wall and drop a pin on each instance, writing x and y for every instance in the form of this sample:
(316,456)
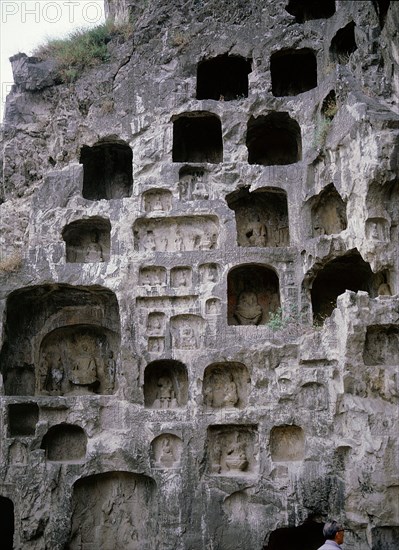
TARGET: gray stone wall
(199,283)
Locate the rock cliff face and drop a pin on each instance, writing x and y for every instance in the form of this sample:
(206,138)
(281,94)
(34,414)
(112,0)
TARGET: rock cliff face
(199,283)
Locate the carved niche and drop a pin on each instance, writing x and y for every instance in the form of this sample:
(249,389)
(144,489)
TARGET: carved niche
(181,277)
(65,443)
(107,170)
(77,360)
(166,451)
(197,137)
(176,234)
(193,184)
(287,443)
(209,274)
(381,345)
(87,241)
(152,276)
(52,329)
(187,331)
(213,306)
(261,217)
(157,200)
(113,510)
(22,419)
(223,78)
(226,385)
(232,450)
(377,229)
(165,384)
(253,295)
(328,212)
(156,323)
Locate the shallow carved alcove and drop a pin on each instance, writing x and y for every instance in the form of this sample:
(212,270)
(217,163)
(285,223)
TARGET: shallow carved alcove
(156,323)
(113,510)
(107,171)
(213,306)
(209,273)
(193,184)
(60,338)
(65,443)
(166,450)
(178,234)
(313,396)
(385,537)
(181,277)
(165,384)
(87,241)
(197,137)
(261,217)
(343,44)
(253,294)
(274,139)
(328,212)
(381,346)
(223,78)
(287,443)
(6,523)
(22,419)
(293,72)
(152,275)
(157,200)
(308,536)
(232,450)
(77,359)
(305,10)
(226,385)
(347,272)
(187,331)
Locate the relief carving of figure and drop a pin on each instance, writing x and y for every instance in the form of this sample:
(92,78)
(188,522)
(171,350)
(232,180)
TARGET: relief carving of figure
(236,456)
(94,251)
(248,311)
(199,190)
(179,243)
(84,368)
(55,373)
(256,232)
(187,338)
(167,458)
(165,396)
(223,391)
(149,241)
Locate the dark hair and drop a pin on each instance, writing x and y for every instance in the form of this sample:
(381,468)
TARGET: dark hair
(331,528)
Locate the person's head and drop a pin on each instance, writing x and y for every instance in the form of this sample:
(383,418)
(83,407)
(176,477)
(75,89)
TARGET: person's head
(333,530)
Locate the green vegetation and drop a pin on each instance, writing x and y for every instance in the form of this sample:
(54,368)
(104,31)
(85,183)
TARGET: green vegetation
(82,49)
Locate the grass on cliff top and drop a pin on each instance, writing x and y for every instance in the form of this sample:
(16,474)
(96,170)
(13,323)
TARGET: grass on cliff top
(82,49)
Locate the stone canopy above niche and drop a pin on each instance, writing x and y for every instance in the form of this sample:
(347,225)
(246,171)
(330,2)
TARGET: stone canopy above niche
(177,234)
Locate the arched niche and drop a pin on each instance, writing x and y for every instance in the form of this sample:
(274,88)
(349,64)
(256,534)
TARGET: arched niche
(253,293)
(274,139)
(232,449)
(197,137)
(308,536)
(157,200)
(65,443)
(22,419)
(287,443)
(343,44)
(166,450)
(381,346)
(113,510)
(261,217)
(347,272)
(293,72)
(328,212)
(223,78)
(107,170)
(35,312)
(305,10)
(87,241)
(226,385)
(77,359)
(6,523)
(165,384)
